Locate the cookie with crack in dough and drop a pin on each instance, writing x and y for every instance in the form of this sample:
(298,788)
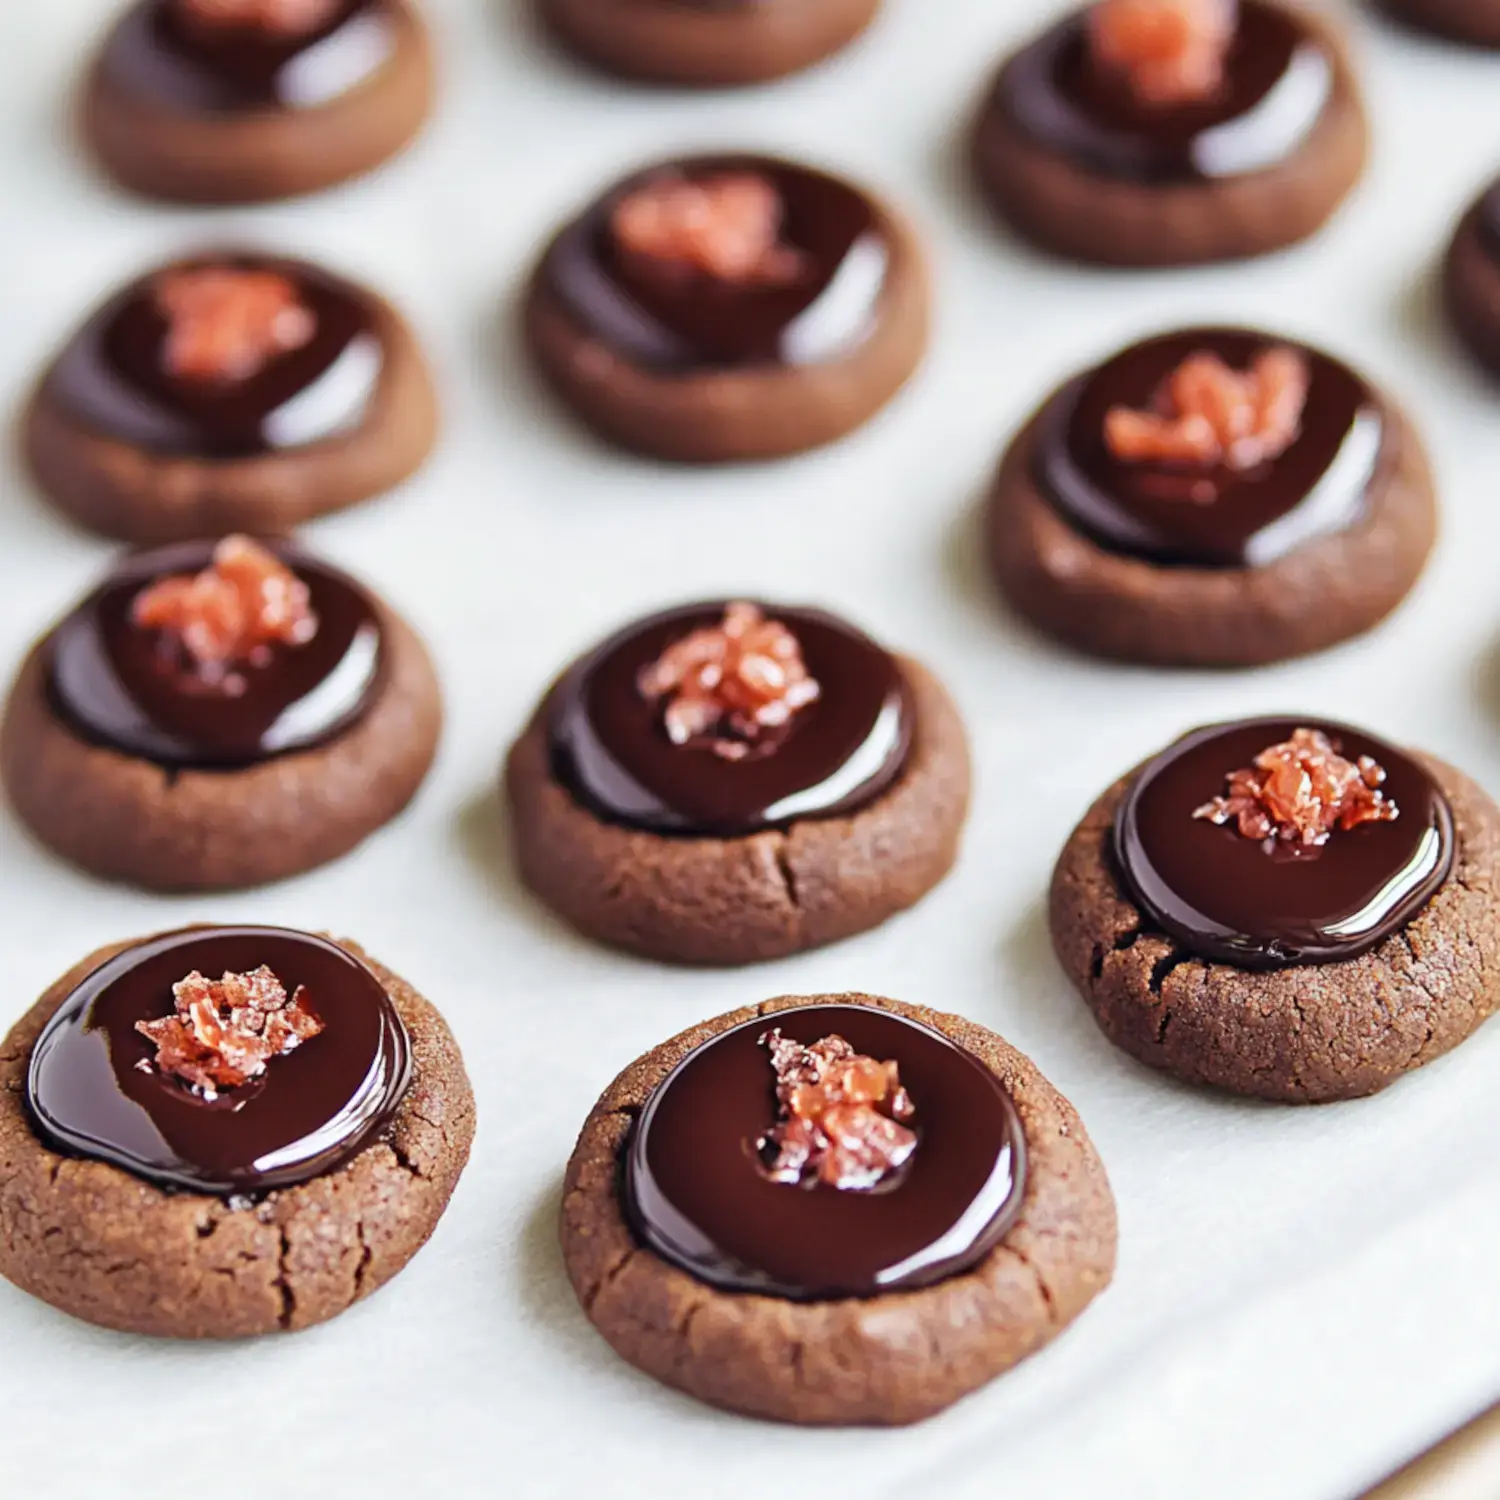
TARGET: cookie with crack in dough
(705,43)
(1423,974)
(728,308)
(847,812)
(896,1356)
(1178,560)
(128,757)
(199,102)
(192,403)
(109,1246)
(1074,154)
(1471,279)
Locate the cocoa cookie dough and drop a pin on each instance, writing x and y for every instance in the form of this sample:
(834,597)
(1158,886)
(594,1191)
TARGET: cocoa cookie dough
(229,392)
(1172,132)
(1284,908)
(1476,22)
(834,1209)
(705,43)
(225,1131)
(241,101)
(1471,279)
(729,783)
(1214,497)
(218,715)
(724,308)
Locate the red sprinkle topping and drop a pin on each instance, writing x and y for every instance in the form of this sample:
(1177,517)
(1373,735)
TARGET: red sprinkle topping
(1206,414)
(1168,51)
(225,1031)
(840,1116)
(733,686)
(725,227)
(225,324)
(246,601)
(279,18)
(1300,792)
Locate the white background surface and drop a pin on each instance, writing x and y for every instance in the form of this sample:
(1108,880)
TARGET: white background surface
(1304,1296)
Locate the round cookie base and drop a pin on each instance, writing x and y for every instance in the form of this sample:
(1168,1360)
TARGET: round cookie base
(103,1245)
(1110,605)
(1476,22)
(744,900)
(888,1360)
(1471,290)
(735,415)
(707,47)
(259,156)
(1309,1034)
(1067,209)
(130,820)
(119,490)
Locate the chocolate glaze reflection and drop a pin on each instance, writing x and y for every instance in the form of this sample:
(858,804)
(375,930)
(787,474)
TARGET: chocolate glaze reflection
(112,379)
(157,56)
(1318,485)
(610,749)
(696,1195)
(1279,78)
(312,1110)
(1489,218)
(701,322)
(117,685)
(1223,896)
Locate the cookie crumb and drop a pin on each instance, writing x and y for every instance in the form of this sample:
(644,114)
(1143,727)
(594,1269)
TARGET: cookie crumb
(1300,791)
(225,1031)
(246,601)
(832,1130)
(733,687)
(1206,414)
(1169,52)
(277,18)
(726,227)
(227,323)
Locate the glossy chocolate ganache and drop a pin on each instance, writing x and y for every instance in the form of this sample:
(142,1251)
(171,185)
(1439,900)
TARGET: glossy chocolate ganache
(224,356)
(712,1181)
(1278,77)
(638,738)
(126,676)
(1489,219)
(1228,509)
(1271,842)
(218,57)
(724,262)
(164,1104)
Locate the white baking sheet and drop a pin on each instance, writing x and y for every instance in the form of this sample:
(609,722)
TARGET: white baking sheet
(1304,1296)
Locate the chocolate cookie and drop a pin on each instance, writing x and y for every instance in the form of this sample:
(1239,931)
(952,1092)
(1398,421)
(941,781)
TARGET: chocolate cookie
(1471,279)
(1214,497)
(722,308)
(706,43)
(199,1157)
(237,101)
(1284,908)
(725,784)
(1474,21)
(229,392)
(1172,132)
(215,716)
(834,1209)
